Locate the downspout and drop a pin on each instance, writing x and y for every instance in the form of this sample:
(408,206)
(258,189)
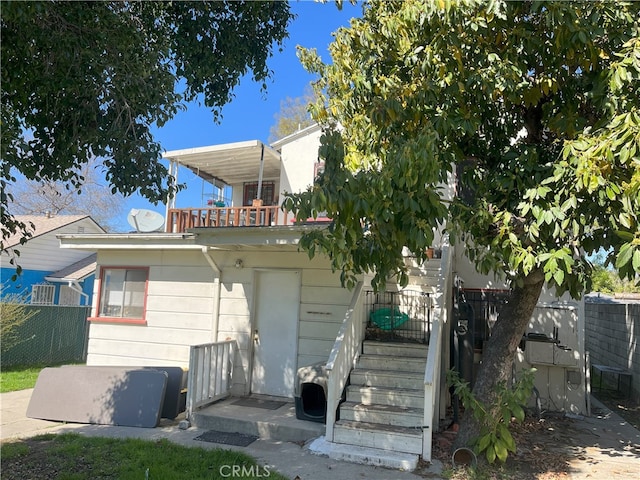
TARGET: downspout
(75,286)
(72,284)
(216,293)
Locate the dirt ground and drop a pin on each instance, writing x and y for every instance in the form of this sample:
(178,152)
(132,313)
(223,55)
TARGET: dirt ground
(543,451)
(622,405)
(545,446)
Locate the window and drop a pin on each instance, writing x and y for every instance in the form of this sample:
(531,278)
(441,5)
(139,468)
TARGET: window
(251,192)
(43,294)
(68,296)
(123,294)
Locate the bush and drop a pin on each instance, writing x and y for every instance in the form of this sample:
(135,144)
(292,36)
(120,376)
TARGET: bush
(495,440)
(13,313)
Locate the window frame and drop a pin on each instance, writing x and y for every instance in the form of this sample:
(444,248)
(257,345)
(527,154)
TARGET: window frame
(126,320)
(250,191)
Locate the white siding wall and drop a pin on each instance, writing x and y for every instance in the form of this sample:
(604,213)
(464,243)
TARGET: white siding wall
(44,253)
(323,304)
(179,311)
(180,308)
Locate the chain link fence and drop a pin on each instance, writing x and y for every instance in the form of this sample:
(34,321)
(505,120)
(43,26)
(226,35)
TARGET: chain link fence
(43,334)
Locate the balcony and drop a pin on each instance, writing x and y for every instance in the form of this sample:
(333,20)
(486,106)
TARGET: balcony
(179,220)
(250,176)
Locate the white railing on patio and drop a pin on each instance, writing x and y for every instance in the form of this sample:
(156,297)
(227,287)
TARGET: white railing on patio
(344,355)
(210,369)
(432,374)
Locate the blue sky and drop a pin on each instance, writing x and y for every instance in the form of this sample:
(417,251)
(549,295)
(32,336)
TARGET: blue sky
(250,114)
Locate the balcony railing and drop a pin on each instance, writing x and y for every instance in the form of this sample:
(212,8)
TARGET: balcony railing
(181,219)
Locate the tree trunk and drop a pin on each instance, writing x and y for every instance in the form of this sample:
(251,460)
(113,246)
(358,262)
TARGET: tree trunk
(500,350)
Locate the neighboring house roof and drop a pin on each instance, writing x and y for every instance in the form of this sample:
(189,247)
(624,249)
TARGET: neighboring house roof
(76,271)
(43,224)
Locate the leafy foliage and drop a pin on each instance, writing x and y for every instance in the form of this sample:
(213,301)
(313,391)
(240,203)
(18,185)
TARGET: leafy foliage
(526,99)
(13,313)
(606,279)
(495,440)
(533,106)
(89,80)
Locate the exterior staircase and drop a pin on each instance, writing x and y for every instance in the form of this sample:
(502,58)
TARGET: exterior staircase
(381,420)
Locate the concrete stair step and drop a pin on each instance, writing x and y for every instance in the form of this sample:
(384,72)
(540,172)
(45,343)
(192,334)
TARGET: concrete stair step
(365,455)
(382,414)
(393,363)
(375,456)
(399,397)
(372,435)
(429,264)
(416,350)
(423,272)
(386,378)
(426,274)
(428,283)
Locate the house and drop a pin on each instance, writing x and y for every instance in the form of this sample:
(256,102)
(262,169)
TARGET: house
(50,275)
(226,292)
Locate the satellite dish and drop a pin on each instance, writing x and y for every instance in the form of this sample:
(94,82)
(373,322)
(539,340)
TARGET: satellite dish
(145,221)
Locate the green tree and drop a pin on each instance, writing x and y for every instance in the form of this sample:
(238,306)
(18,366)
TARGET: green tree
(536,104)
(606,279)
(83,80)
(293,115)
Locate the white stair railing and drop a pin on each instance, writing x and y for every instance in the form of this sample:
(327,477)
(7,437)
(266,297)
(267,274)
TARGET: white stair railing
(209,378)
(344,355)
(432,374)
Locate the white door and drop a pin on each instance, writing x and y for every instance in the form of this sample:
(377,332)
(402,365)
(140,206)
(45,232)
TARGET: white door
(275,332)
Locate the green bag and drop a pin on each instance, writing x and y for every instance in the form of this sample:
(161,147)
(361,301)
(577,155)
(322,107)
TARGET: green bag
(388,318)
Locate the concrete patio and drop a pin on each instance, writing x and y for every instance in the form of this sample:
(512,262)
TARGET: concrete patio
(279,424)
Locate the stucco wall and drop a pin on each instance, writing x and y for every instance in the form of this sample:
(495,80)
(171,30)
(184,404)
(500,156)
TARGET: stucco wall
(612,335)
(298,159)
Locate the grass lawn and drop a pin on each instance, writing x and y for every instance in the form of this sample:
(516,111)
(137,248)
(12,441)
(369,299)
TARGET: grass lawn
(18,378)
(74,457)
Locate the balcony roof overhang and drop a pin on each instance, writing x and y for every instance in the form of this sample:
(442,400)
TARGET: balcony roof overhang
(229,163)
(276,237)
